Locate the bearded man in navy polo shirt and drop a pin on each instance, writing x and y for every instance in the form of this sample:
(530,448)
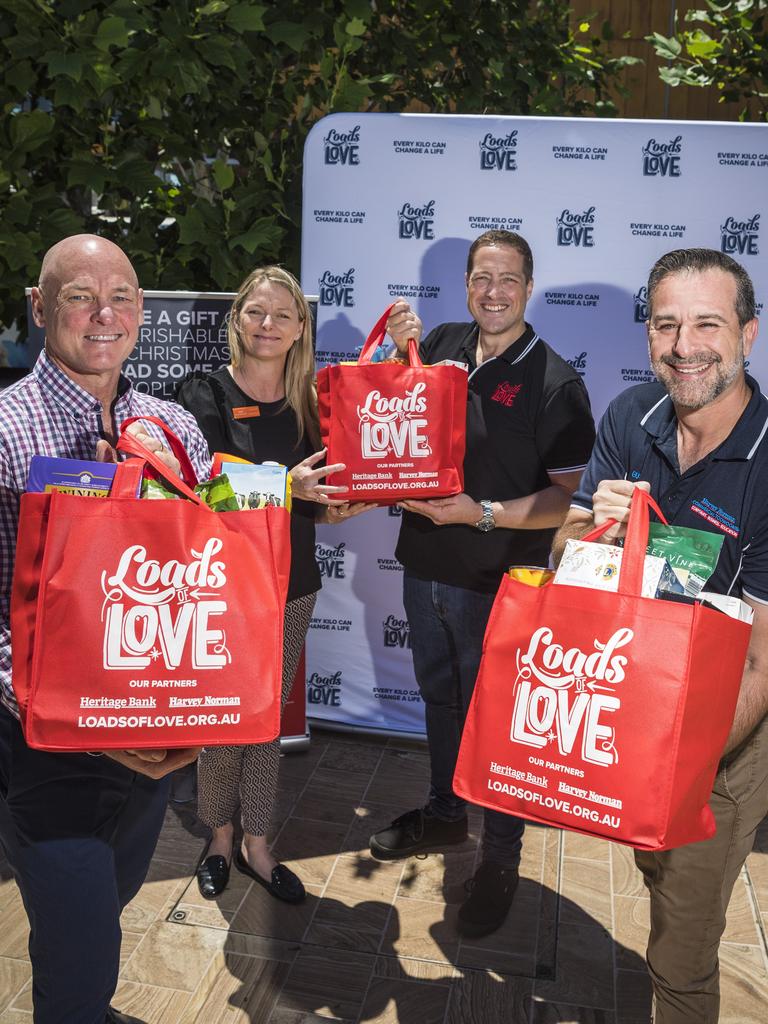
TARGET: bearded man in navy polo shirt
(697,441)
(529,435)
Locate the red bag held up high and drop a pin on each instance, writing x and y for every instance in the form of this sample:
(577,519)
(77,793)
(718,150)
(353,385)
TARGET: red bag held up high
(400,430)
(139,623)
(603,713)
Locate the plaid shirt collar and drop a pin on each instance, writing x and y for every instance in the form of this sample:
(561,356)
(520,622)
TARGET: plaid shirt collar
(73,401)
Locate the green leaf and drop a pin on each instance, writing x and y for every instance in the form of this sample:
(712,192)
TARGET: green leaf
(88,173)
(288,32)
(260,233)
(246,17)
(111,32)
(223,175)
(21,77)
(30,130)
(672,76)
(358,9)
(154,108)
(137,174)
(356,27)
(70,64)
(69,94)
(217,51)
(213,7)
(102,77)
(193,229)
(664,47)
(63,222)
(699,44)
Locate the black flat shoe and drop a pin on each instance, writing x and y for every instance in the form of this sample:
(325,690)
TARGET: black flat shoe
(212,876)
(284,884)
(115,1017)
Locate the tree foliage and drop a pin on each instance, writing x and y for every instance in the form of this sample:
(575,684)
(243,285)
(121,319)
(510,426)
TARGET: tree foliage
(725,47)
(178,128)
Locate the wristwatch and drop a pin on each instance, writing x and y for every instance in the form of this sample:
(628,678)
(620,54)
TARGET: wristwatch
(487,522)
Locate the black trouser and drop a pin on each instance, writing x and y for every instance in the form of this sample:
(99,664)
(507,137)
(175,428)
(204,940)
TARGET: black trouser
(79,833)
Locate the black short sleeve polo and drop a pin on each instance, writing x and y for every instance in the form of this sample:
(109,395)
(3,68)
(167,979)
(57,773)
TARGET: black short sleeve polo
(528,415)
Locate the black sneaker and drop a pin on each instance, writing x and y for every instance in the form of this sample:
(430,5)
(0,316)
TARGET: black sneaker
(414,831)
(490,896)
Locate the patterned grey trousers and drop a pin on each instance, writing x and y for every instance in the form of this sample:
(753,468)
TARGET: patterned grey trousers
(228,776)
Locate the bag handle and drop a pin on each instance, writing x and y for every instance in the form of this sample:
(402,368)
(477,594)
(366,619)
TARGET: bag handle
(636,542)
(126,475)
(174,443)
(376,337)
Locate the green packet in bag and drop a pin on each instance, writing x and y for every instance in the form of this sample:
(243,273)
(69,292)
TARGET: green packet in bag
(155,491)
(692,554)
(216,493)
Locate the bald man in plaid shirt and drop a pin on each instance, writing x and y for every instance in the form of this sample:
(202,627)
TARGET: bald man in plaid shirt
(78,830)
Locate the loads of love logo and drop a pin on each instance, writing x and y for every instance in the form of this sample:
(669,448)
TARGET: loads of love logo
(565,696)
(167,611)
(394,425)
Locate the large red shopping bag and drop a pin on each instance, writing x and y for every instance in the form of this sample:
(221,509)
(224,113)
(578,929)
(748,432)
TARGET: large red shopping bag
(399,429)
(603,713)
(139,623)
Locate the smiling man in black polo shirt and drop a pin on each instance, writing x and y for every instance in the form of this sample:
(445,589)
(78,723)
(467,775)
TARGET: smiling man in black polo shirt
(698,441)
(529,435)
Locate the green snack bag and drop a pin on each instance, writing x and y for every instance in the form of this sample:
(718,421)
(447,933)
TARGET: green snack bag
(693,554)
(218,494)
(155,491)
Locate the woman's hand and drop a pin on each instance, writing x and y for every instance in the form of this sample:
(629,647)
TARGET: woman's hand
(305,480)
(343,510)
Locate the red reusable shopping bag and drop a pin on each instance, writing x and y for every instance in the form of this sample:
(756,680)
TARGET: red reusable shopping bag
(603,713)
(139,623)
(400,430)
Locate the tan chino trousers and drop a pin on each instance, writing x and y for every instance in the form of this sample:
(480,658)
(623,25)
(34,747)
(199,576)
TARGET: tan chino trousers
(691,886)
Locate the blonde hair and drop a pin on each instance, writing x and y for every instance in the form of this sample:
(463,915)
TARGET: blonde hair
(300,391)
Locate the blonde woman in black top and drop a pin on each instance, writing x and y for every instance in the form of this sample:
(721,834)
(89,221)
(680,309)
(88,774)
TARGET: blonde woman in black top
(263,407)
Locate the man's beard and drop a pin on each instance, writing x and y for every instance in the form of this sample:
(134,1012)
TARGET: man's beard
(696,393)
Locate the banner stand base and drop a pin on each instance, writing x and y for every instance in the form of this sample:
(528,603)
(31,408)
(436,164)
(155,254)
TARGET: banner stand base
(367,730)
(294,744)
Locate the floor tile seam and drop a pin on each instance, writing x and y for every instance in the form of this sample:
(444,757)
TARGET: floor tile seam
(613,937)
(160,988)
(558,888)
(585,860)
(760,923)
(15,995)
(558,885)
(374,772)
(127,963)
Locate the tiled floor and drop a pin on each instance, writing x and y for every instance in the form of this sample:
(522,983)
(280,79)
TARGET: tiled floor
(376,941)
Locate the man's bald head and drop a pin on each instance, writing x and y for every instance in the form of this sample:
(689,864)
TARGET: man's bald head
(90,306)
(78,251)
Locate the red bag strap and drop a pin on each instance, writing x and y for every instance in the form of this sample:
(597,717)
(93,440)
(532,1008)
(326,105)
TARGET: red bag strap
(126,478)
(174,443)
(376,337)
(635,543)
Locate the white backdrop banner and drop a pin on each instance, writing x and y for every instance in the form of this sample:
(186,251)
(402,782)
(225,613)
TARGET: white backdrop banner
(391,204)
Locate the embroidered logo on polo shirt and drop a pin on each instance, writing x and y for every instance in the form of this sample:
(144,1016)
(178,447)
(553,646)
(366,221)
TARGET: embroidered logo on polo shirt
(506,393)
(716,516)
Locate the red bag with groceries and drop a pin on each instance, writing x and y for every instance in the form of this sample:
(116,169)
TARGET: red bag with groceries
(603,713)
(139,623)
(399,429)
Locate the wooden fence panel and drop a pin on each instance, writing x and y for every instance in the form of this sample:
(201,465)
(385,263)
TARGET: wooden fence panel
(648,96)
